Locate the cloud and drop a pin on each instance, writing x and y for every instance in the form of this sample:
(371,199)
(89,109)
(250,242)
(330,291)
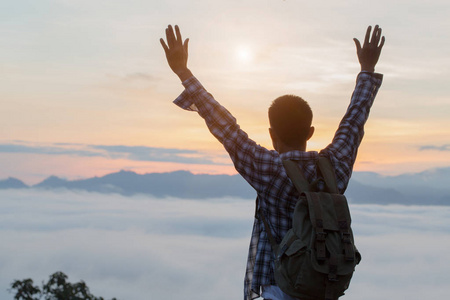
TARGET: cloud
(139,76)
(445,147)
(54,149)
(127,247)
(144,153)
(134,153)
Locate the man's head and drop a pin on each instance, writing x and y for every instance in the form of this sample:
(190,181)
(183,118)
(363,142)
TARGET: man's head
(290,119)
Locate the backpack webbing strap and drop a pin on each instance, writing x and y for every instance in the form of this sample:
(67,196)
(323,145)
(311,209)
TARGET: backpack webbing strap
(328,174)
(301,184)
(318,225)
(329,291)
(296,175)
(332,278)
(343,218)
(272,241)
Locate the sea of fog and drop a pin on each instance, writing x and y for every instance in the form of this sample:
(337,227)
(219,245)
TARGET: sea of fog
(140,247)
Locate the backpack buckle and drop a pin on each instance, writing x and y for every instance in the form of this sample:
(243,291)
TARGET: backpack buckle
(333,268)
(333,277)
(320,246)
(346,237)
(348,247)
(320,236)
(281,252)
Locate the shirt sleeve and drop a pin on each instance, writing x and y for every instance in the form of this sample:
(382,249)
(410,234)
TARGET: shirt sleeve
(244,152)
(344,147)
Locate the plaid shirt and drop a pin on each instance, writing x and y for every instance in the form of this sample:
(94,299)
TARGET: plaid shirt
(263,168)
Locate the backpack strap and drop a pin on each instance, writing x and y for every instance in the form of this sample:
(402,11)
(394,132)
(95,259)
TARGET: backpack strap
(272,241)
(328,174)
(332,278)
(303,187)
(318,225)
(340,206)
(301,184)
(296,175)
(344,221)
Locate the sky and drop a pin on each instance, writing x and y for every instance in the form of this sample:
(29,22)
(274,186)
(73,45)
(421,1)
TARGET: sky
(141,247)
(85,89)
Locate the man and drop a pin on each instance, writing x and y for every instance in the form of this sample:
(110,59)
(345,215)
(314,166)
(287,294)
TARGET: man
(290,119)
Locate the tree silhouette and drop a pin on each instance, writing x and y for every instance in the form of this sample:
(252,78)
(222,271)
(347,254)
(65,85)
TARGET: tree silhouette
(56,288)
(25,290)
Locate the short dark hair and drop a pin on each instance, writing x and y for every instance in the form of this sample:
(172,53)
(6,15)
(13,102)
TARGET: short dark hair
(290,117)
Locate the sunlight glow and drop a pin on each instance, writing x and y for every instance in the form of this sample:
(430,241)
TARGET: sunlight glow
(244,54)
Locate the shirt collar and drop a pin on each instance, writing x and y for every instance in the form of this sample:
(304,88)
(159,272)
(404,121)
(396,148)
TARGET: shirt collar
(299,155)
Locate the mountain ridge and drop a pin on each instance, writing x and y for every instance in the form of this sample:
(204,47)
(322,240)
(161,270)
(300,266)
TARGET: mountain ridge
(423,188)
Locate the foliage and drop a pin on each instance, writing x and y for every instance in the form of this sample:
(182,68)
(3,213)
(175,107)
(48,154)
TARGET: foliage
(25,290)
(56,288)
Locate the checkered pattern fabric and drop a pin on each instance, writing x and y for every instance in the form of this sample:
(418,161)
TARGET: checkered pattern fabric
(263,168)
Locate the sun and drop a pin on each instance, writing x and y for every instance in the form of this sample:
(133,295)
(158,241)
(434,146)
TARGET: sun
(244,54)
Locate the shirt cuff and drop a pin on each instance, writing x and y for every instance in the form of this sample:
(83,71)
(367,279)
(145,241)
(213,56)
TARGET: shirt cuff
(185,100)
(376,78)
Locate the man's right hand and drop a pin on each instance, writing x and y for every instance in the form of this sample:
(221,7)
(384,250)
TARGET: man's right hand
(369,53)
(176,52)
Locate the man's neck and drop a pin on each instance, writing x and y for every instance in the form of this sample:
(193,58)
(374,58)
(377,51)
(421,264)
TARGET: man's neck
(284,148)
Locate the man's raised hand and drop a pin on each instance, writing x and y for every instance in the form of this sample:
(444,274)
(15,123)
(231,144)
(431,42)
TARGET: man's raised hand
(176,52)
(369,53)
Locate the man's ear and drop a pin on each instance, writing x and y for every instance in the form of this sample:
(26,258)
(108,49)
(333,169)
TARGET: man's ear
(311,132)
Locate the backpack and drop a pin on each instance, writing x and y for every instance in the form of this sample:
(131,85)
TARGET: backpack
(317,256)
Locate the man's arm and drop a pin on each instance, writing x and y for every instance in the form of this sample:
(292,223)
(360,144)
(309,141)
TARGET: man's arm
(244,152)
(344,147)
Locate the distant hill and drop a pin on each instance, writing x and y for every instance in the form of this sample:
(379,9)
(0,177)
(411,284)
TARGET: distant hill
(425,188)
(12,183)
(176,184)
(431,187)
